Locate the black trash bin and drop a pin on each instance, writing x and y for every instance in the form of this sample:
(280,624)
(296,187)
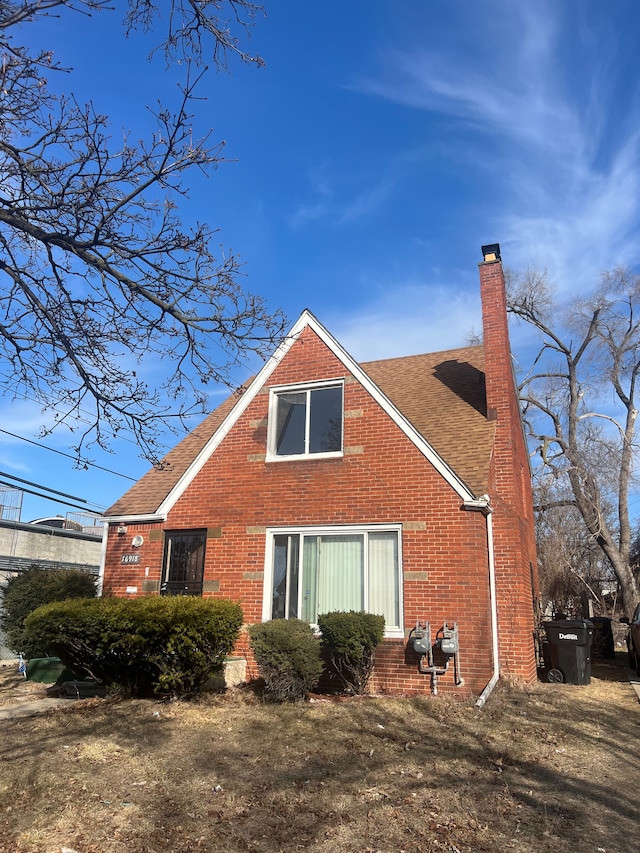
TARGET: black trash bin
(570,650)
(602,645)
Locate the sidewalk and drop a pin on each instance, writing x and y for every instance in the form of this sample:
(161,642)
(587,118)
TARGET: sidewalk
(31,704)
(32,707)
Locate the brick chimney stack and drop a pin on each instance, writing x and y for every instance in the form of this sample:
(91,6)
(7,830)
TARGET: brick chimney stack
(502,396)
(510,478)
(498,366)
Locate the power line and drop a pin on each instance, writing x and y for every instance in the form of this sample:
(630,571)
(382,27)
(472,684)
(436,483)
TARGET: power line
(40,486)
(83,416)
(68,455)
(54,500)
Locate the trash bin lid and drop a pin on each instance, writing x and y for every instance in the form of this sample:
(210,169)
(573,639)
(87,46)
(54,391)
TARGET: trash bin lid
(575,631)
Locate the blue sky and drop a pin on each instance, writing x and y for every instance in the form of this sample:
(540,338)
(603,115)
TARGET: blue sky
(384,142)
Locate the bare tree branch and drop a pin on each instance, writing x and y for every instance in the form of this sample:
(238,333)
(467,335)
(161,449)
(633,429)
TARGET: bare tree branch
(100,281)
(595,463)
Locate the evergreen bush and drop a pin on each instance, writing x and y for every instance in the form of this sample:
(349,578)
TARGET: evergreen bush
(288,657)
(31,588)
(168,646)
(350,640)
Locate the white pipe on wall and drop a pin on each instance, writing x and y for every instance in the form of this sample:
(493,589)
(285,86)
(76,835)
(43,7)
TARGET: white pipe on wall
(494,613)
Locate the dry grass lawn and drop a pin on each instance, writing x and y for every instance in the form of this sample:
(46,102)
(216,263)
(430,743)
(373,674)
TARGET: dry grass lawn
(550,769)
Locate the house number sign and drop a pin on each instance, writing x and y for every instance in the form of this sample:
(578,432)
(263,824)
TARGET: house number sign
(128,559)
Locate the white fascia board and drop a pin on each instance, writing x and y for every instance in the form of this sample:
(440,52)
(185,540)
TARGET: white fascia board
(394,413)
(307,319)
(240,407)
(147,518)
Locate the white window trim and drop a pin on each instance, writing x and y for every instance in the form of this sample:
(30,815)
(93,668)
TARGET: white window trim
(330,530)
(274,391)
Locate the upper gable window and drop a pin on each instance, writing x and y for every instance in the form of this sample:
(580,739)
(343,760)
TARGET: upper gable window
(306,421)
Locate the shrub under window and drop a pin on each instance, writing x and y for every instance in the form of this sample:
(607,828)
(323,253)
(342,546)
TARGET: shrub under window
(288,657)
(350,641)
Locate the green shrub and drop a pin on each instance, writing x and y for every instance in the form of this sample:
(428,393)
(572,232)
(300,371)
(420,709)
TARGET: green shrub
(349,641)
(167,646)
(288,657)
(29,589)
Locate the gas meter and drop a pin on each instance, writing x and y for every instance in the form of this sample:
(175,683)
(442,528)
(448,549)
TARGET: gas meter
(448,640)
(421,638)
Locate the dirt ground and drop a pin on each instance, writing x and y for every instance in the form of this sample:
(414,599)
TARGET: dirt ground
(550,768)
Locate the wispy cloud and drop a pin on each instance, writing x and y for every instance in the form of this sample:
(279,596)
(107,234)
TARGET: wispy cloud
(539,118)
(306,213)
(593,229)
(367,201)
(11,464)
(335,200)
(24,417)
(409,318)
(320,192)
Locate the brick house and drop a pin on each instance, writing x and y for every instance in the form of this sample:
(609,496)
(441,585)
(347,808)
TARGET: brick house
(400,487)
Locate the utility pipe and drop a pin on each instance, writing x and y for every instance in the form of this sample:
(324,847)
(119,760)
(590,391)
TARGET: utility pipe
(494,612)
(483,505)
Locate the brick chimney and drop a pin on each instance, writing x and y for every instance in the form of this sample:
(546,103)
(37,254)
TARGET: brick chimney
(510,479)
(502,395)
(497,349)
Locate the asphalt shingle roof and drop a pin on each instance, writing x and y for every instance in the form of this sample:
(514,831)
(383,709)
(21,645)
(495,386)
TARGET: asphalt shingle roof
(441,394)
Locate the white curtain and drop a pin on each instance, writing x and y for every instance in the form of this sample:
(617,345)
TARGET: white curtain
(309,592)
(340,575)
(384,593)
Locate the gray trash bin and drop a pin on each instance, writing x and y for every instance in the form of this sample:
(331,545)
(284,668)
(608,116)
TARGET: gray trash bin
(569,650)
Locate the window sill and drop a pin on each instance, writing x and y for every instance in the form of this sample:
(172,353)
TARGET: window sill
(304,457)
(394,634)
(390,634)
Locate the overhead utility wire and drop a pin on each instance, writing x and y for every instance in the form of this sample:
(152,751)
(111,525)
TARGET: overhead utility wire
(49,498)
(67,455)
(40,486)
(84,418)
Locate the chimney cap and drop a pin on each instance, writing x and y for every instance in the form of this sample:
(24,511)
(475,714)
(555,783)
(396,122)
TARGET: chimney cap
(491,252)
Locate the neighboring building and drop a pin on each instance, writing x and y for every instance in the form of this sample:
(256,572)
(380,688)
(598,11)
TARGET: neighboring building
(57,543)
(400,487)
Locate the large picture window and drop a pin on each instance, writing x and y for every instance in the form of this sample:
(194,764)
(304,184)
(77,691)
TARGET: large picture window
(183,566)
(311,572)
(306,421)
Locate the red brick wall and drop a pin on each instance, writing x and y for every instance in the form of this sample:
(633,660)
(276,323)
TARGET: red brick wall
(118,576)
(382,478)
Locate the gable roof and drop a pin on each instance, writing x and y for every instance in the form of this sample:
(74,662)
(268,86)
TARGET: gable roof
(443,395)
(145,496)
(437,399)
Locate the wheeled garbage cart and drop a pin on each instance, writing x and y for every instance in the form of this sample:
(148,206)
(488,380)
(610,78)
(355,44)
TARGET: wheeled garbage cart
(569,650)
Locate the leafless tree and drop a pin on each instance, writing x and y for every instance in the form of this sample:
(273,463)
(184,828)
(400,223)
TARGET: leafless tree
(580,405)
(571,567)
(99,277)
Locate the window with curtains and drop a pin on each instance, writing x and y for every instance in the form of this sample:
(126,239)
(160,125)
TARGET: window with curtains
(319,571)
(305,421)
(183,567)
